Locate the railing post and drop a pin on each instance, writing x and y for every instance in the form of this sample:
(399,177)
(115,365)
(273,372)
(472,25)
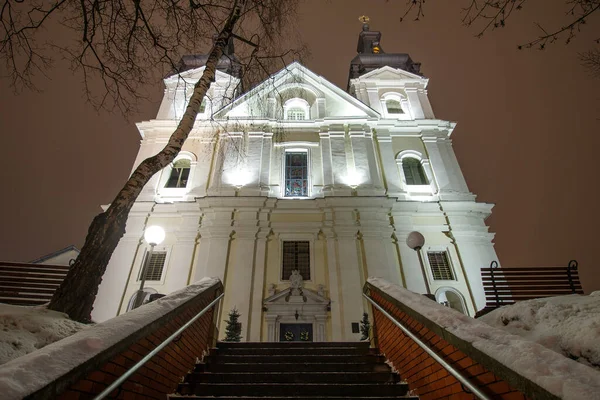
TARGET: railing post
(572,266)
(494,264)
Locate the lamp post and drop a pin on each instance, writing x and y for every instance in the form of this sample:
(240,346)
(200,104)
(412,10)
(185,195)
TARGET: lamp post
(416,241)
(154,235)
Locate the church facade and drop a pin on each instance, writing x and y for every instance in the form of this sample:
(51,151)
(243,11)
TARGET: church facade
(296,191)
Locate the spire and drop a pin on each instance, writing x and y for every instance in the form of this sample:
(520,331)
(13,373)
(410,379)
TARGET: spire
(371,55)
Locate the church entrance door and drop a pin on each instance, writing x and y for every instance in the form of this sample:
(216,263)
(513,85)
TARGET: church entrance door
(295,333)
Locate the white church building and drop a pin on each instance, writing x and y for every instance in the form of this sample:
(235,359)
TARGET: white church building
(300,175)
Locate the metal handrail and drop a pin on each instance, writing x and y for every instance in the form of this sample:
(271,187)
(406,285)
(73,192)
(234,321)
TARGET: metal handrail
(161,346)
(462,379)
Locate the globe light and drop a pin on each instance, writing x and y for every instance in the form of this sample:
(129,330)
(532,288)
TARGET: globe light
(154,235)
(415,240)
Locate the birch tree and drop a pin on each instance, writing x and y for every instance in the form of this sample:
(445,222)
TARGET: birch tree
(123,44)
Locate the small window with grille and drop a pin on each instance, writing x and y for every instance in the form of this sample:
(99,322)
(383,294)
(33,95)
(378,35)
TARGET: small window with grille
(296,255)
(155,267)
(440,266)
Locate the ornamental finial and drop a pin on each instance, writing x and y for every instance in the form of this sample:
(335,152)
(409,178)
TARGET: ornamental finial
(365,20)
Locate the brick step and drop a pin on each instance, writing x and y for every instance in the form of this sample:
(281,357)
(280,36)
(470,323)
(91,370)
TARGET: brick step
(202,397)
(244,345)
(293,377)
(290,389)
(285,358)
(291,351)
(296,367)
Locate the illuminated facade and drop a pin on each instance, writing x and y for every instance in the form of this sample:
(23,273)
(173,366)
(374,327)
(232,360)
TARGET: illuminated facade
(300,175)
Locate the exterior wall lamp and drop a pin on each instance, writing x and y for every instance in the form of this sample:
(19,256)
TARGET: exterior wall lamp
(416,241)
(153,235)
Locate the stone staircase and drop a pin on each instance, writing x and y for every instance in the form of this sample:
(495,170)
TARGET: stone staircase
(292,370)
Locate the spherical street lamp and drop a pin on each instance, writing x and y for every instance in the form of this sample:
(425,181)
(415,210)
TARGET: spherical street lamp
(154,235)
(416,241)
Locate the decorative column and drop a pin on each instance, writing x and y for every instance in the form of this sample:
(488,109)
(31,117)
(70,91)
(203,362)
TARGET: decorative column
(332,271)
(113,285)
(327,161)
(215,234)
(182,252)
(365,163)
(265,164)
(339,164)
(258,280)
(450,181)
(388,161)
(351,274)
(414,102)
(379,246)
(238,288)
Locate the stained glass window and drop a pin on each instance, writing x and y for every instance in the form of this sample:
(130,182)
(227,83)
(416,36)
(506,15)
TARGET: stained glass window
(296,174)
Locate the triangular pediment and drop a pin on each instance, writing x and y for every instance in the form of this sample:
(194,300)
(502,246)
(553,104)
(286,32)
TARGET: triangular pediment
(286,297)
(392,74)
(325,100)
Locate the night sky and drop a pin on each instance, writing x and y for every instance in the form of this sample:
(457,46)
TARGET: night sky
(527,135)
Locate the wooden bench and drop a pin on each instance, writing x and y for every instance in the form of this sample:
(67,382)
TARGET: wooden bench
(27,284)
(505,286)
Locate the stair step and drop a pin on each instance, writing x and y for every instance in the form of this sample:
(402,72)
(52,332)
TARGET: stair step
(285,358)
(244,345)
(202,397)
(293,377)
(295,367)
(291,389)
(291,351)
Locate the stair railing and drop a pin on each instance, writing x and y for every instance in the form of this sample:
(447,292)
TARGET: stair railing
(460,377)
(158,348)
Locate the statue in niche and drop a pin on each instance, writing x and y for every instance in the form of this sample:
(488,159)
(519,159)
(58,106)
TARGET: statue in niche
(296,283)
(321,290)
(271,289)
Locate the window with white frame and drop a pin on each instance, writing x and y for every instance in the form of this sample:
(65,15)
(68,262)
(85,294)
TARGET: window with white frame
(180,173)
(296,109)
(295,256)
(155,267)
(440,265)
(296,114)
(296,173)
(414,174)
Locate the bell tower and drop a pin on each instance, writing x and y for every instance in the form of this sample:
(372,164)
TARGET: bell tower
(371,55)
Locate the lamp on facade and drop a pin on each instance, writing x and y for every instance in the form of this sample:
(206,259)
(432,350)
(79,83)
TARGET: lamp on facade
(153,235)
(416,241)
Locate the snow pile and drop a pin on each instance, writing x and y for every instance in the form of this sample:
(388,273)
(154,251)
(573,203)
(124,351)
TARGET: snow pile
(557,374)
(569,325)
(26,329)
(25,375)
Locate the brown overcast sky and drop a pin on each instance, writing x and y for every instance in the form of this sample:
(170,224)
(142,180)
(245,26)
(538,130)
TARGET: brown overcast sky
(527,135)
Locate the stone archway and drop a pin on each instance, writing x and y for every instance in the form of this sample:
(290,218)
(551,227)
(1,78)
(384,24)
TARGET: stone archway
(452,298)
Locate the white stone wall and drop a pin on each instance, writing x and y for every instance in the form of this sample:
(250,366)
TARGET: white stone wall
(229,220)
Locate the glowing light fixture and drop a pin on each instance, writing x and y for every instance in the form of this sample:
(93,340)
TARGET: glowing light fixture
(154,235)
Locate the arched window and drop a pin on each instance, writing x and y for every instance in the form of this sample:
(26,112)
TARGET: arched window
(414,174)
(393,106)
(179,174)
(296,109)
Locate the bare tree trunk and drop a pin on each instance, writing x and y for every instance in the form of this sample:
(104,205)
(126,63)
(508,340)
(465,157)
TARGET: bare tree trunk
(77,293)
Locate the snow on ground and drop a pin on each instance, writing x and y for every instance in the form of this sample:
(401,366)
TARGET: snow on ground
(26,329)
(557,374)
(25,375)
(569,325)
